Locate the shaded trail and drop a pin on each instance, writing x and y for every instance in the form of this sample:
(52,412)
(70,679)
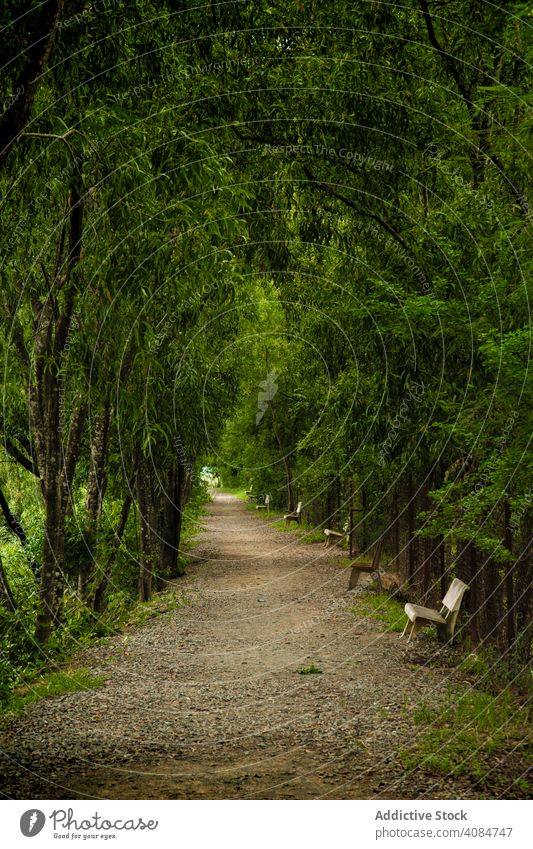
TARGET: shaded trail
(205,701)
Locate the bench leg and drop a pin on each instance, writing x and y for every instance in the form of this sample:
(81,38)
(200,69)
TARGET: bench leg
(412,632)
(405,629)
(354,579)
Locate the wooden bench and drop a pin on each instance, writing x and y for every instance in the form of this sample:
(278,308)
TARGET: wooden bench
(265,505)
(444,620)
(333,537)
(359,568)
(296,516)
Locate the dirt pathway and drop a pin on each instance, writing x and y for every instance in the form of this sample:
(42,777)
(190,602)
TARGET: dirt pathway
(206,701)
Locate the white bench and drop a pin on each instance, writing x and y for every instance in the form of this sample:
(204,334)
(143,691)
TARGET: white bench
(265,505)
(444,620)
(333,537)
(296,516)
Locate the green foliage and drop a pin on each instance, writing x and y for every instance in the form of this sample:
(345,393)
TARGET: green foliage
(472,735)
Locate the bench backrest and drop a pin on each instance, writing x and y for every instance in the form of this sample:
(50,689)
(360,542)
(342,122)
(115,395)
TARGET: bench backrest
(299,507)
(453,598)
(267,500)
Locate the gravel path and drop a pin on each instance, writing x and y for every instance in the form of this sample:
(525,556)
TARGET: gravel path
(205,701)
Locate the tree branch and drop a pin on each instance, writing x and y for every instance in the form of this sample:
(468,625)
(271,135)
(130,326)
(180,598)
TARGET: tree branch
(466,94)
(26,462)
(15,526)
(447,59)
(37,54)
(365,213)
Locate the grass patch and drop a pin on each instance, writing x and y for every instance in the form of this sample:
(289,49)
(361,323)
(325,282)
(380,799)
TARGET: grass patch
(476,735)
(52,685)
(344,562)
(238,491)
(310,670)
(306,532)
(381,607)
(163,602)
(310,533)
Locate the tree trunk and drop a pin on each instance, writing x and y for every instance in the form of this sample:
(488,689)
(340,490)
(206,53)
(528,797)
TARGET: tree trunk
(6,596)
(56,455)
(39,43)
(99,593)
(441,553)
(429,543)
(96,483)
(147,519)
(364,527)
(524,596)
(474,596)
(491,608)
(395,534)
(172,520)
(291,501)
(412,542)
(509,578)
(52,573)
(96,480)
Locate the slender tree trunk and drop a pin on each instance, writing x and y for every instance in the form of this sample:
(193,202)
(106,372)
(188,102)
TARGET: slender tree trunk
(52,573)
(96,483)
(441,552)
(99,593)
(466,564)
(396,534)
(412,542)
(474,595)
(524,596)
(96,480)
(429,544)
(509,578)
(364,523)
(291,501)
(56,455)
(39,43)
(172,520)
(491,627)
(147,520)
(6,596)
